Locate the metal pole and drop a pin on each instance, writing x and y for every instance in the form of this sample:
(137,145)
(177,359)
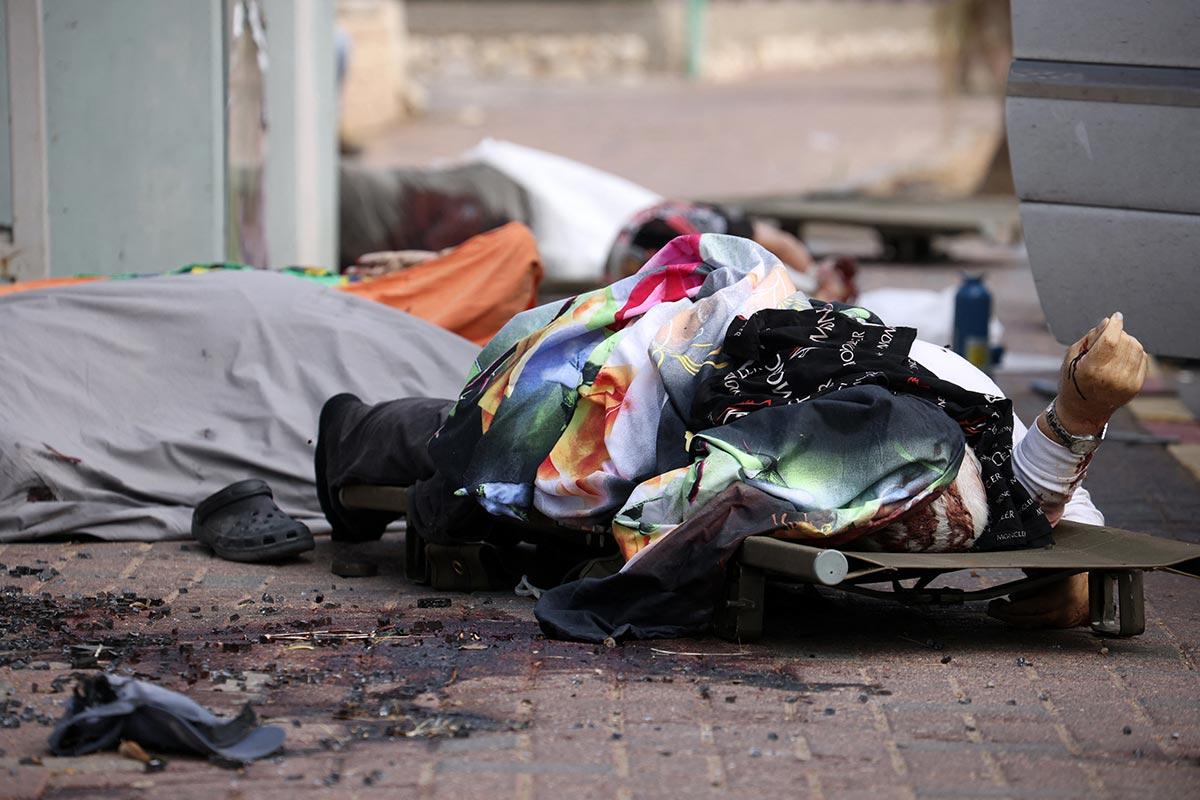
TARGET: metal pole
(697,13)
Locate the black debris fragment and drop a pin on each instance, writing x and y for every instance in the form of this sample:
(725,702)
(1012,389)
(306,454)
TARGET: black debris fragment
(41,573)
(105,707)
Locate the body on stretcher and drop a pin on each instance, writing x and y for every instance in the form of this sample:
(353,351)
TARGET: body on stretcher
(1114,559)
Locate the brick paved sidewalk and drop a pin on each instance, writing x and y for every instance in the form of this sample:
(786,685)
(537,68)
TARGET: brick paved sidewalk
(845,697)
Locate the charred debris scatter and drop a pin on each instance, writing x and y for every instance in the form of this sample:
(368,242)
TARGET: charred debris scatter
(388,672)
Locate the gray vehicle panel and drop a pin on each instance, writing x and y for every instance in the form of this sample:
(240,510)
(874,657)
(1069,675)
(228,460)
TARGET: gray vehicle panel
(1091,262)
(1147,32)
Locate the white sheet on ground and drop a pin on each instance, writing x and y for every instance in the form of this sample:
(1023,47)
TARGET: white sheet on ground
(930,312)
(577,210)
(123,403)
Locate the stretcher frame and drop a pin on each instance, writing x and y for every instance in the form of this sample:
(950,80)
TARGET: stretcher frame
(466,566)
(906,226)
(1114,559)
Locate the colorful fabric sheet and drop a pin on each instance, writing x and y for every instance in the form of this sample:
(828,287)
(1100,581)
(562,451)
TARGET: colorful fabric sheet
(582,412)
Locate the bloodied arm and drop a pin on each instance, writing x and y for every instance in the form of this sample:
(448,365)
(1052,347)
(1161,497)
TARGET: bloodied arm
(1100,373)
(1049,471)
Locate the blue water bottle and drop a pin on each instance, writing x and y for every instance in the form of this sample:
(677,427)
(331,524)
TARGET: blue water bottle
(972,316)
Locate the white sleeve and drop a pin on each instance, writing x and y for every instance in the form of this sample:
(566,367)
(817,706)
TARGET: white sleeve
(1052,475)
(1049,472)
(1080,508)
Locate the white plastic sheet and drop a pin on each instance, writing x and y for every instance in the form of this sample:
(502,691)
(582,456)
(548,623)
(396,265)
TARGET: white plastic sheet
(577,210)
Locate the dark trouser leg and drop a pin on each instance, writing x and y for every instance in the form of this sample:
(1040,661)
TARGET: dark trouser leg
(381,445)
(440,517)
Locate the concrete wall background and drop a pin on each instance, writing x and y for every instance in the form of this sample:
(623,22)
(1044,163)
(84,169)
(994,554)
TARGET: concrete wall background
(376,91)
(756,36)
(499,17)
(134,135)
(452,44)
(583,39)
(130,135)
(528,37)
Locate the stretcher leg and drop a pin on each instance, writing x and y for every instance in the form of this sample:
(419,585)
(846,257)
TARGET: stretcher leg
(416,565)
(1117,603)
(739,615)
(471,567)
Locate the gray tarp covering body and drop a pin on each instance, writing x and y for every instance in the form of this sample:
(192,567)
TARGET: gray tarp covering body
(123,403)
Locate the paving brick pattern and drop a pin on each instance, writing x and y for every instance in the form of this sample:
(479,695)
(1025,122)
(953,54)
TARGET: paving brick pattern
(846,697)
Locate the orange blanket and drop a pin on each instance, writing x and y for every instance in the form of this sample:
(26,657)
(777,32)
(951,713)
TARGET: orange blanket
(48,283)
(472,291)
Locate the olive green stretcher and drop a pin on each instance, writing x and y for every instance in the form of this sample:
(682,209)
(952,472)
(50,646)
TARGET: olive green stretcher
(1114,559)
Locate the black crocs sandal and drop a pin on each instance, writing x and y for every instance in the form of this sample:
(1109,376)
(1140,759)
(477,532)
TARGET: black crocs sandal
(242,523)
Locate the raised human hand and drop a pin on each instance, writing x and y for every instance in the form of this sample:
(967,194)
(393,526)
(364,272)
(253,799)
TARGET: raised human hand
(1100,373)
